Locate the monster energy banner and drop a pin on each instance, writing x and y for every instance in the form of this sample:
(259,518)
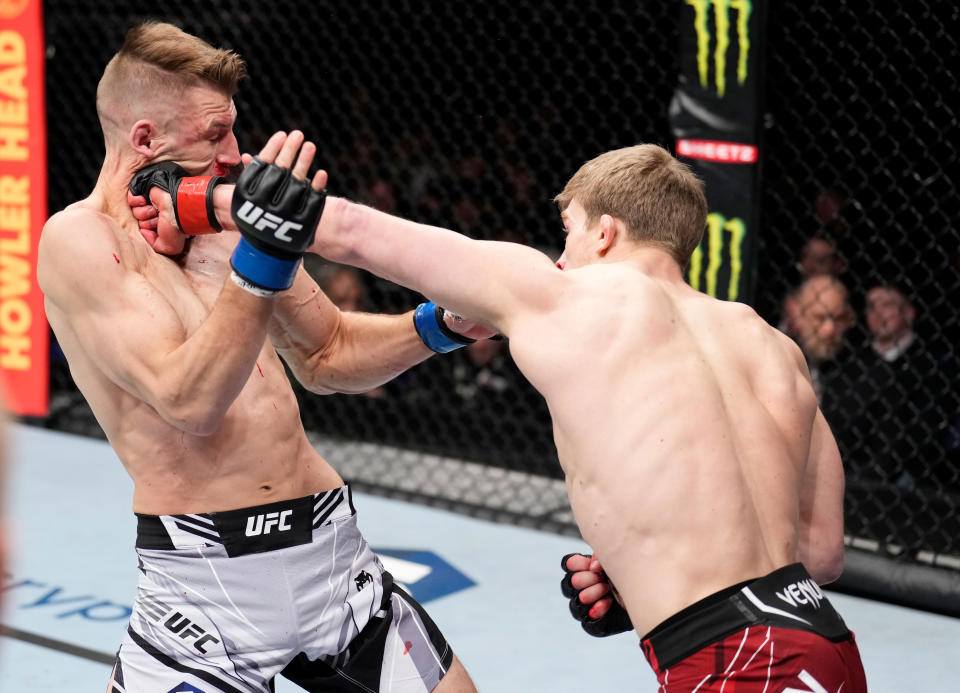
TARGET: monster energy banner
(715,117)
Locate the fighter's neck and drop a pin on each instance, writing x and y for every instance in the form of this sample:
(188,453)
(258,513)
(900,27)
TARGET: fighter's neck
(110,193)
(652,261)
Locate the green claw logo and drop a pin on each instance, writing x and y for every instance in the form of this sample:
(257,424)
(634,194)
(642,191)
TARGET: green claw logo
(717,226)
(722,22)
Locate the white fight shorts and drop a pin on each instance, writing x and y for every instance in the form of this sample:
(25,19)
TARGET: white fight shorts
(226,601)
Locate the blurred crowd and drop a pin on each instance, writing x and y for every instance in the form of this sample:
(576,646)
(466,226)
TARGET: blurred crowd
(885,374)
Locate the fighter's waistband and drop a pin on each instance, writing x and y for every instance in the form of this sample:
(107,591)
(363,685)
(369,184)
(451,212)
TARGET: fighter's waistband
(247,530)
(786,598)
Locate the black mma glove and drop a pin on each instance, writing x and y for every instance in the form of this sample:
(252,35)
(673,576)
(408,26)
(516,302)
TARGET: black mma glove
(277,215)
(192,195)
(616,620)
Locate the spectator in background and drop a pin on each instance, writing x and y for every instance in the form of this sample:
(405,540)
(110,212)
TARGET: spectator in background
(889,405)
(828,207)
(344,286)
(790,314)
(822,318)
(381,194)
(819,256)
(484,372)
(890,319)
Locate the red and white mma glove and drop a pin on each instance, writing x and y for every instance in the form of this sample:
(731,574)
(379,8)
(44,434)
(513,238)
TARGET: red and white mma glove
(616,620)
(192,196)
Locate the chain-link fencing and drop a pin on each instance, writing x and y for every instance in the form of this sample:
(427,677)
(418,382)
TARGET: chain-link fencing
(472,115)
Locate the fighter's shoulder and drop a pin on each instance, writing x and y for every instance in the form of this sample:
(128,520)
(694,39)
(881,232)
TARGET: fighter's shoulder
(767,350)
(744,320)
(79,226)
(73,244)
(782,343)
(734,316)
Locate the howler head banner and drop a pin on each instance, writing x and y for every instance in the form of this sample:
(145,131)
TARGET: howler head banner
(23,207)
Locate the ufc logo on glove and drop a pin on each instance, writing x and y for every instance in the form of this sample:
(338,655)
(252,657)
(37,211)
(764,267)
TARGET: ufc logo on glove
(261,220)
(277,216)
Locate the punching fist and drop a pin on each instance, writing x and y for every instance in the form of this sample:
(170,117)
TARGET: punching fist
(192,196)
(277,212)
(593,599)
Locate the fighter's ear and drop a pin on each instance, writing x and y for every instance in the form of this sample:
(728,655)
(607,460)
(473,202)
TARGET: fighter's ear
(142,135)
(607,231)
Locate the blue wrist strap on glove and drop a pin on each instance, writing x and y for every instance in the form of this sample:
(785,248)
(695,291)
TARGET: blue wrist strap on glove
(266,271)
(428,321)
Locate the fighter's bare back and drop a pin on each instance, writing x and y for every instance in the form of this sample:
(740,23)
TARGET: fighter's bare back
(662,373)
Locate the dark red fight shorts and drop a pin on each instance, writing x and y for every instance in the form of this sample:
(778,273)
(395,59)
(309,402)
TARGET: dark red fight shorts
(775,634)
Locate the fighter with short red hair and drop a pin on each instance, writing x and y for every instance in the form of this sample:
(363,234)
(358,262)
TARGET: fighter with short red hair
(251,564)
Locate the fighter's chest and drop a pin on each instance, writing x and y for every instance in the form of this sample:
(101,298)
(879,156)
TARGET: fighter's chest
(190,287)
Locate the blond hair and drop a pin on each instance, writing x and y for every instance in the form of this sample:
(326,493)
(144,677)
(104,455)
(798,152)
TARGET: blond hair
(658,198)
(156,63)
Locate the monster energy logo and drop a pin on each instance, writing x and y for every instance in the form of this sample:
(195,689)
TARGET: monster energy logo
(721,15)
(717,226)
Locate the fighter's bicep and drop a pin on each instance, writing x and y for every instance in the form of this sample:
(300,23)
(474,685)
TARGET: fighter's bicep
(128,343)
(102,301)
(137,341)
(504,282)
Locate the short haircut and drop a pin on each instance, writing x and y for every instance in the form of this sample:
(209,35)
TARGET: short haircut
(657,197)
(158,58)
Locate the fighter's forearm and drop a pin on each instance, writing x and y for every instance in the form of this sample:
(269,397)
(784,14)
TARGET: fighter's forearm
(364,351)
(820,536)
(333,351)
(201,378)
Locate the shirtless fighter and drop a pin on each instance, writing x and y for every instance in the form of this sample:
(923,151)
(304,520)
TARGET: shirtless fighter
(698,465)
(251,564)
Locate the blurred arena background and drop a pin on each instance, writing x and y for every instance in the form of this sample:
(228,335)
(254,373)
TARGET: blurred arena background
(472,115)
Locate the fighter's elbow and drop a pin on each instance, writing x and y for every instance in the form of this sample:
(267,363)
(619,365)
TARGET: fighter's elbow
(312,371)
(328,381)
(833,569)
(197,423)
(828,565)
(193,416)
(202,426)
(318,386)
(335,367)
